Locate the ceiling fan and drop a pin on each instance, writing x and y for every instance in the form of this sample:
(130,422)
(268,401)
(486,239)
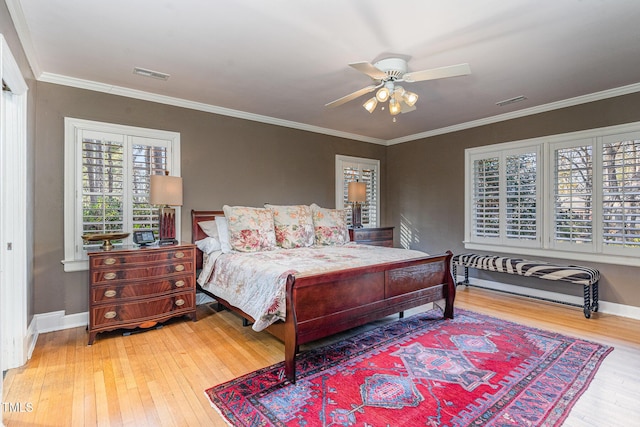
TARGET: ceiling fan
(386,75)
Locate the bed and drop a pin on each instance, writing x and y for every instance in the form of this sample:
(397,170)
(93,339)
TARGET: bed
(318,305)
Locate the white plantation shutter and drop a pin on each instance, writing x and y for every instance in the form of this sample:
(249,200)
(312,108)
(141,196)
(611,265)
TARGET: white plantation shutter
(573,194)
(107,174)
(149,157)
(505,197)
(115,182)
(621,192)
(349,169)
(486,197)
(521,196)
(103,172)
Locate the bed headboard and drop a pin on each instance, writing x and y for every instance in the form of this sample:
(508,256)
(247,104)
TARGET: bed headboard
(196,231)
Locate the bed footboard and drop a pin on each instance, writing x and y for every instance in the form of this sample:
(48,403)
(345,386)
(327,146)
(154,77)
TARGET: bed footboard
(322,305)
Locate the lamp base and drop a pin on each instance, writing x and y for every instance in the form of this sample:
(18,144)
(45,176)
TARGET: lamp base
(356,215)
(167,226)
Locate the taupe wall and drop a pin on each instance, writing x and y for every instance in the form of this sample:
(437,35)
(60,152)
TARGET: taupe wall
(425,187)
(224,161)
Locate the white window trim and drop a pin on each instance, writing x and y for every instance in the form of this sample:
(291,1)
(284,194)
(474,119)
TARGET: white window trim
(75,260)
(547,248)
(340,160)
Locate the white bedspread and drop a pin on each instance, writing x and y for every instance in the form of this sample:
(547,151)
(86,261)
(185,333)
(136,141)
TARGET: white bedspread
(255,282)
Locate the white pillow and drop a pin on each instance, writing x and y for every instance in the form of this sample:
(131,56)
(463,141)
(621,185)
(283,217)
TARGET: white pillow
(210,228)
(223,234)
(208,245)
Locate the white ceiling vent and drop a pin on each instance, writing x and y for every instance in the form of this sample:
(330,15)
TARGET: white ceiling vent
(511,101)
(150,73)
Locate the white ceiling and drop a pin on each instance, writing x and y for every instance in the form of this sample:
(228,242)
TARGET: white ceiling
(281,61)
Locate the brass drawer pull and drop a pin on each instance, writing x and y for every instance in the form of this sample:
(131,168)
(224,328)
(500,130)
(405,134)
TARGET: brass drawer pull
(179,283)
(110,315)
(110,293)
(179,267)
(110,261)
(110,276)
(180,302)
(179,255)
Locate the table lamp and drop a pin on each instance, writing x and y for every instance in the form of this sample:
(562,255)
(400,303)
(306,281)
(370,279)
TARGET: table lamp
(356,194)
(166,191)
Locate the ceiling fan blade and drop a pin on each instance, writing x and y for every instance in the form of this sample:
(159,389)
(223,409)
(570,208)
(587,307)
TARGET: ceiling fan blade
(438,73)
(351,96)
(370,70)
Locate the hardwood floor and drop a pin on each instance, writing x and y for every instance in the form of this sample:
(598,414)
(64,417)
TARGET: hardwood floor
(158,378)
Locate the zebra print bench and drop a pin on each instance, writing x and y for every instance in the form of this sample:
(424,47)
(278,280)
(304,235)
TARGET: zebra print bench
(585,276)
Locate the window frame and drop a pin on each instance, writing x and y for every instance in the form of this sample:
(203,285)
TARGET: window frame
(76,258)
(341,161)
(547,246)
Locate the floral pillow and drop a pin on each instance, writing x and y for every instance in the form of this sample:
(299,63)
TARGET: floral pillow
(330,226)
(293,225)
(250,229)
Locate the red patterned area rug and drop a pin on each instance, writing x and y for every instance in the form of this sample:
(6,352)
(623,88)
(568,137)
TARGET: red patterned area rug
(474,370)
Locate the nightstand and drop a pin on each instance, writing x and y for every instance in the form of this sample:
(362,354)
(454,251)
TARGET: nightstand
(140,287)
(381,236)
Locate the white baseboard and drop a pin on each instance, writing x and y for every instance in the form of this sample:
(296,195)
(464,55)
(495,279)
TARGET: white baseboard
(603,306)
(58,320)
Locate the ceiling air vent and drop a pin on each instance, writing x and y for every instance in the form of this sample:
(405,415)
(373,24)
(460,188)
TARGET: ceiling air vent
(150,73)
(511,101)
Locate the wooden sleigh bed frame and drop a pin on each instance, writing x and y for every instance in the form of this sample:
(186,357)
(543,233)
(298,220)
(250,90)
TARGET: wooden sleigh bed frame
(321,305)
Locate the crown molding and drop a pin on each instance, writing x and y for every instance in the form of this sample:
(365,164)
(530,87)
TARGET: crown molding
(178,102)
(20,23)
(584,99)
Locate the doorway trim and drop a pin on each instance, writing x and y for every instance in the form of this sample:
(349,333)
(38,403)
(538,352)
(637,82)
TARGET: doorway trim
(14,249)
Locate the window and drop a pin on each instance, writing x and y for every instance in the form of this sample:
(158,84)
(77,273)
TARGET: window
(621,191)
(107,170)
(350,169)
(505,203)
(572,196)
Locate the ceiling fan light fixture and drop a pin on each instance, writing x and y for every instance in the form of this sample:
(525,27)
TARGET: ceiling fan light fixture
(382,95)
(410,98)
(394,107)
(370,105)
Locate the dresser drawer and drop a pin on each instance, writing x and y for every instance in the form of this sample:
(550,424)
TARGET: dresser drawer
(148,309)
(100,276)
(142,256)
(372,235)
(116,292)
(382,236)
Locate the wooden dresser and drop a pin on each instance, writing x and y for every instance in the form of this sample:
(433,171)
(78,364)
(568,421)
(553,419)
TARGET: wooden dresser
(139,287)
(381,236)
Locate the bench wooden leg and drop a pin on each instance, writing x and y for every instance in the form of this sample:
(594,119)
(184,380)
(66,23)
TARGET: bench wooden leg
(454,270)
(587,301)
(594,297)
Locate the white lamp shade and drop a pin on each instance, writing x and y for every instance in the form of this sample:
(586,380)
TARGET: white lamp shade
(357,192)
(383,94)
(410,98)
(166,190)
(370,105)
(394,107)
